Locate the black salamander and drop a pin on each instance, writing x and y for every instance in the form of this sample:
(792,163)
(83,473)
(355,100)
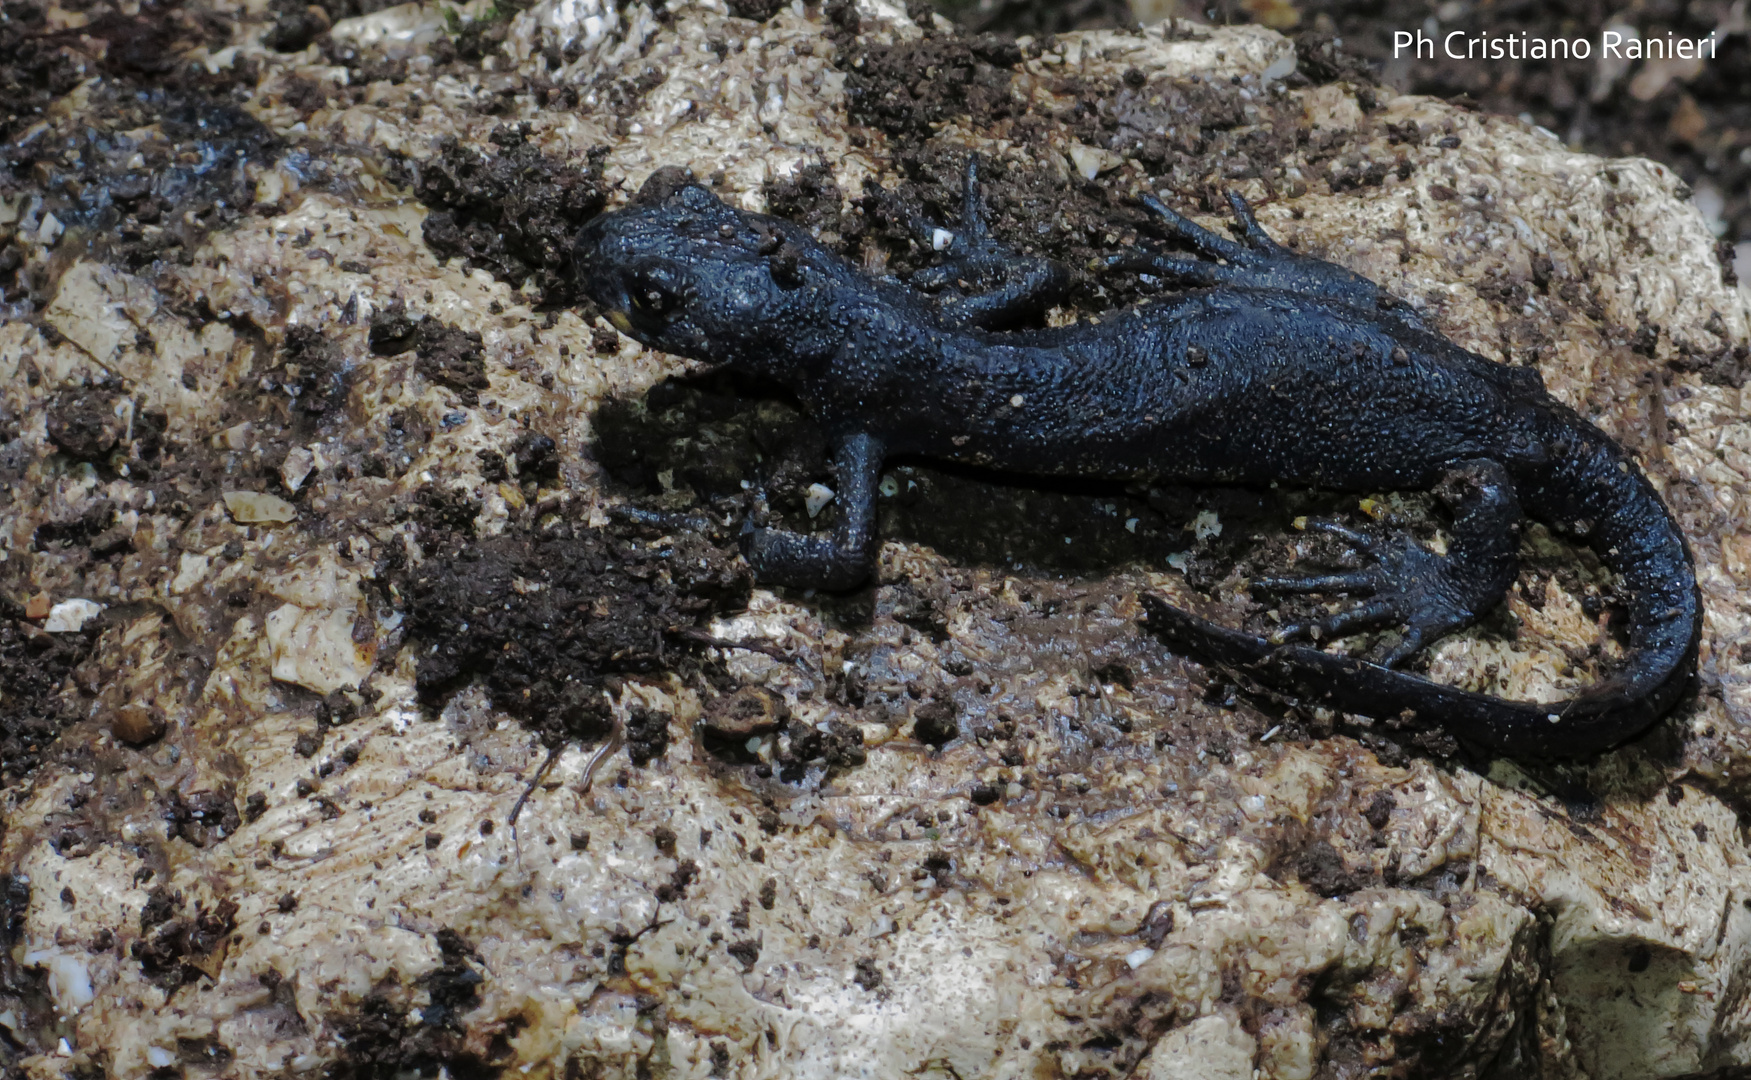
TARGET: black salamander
(1268,366)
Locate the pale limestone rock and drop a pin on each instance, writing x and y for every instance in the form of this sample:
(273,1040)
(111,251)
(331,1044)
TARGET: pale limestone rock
(1211,1048)
(299,463)
(70,616)
(1115,913)
(315,649)
(259,508)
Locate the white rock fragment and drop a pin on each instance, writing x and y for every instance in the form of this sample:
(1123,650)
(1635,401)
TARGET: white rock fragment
(297,467)
(1138,957)
(397,31)
(259,508)
(816,498)
(1205,525)
(1209,1048)
(92,308)
(190,569)
(69,978)
(315,649)
(941,239)
(270,188)
(70,616)
(1091,161)
(235,437)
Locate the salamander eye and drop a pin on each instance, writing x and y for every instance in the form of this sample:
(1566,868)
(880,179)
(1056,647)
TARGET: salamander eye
(654,293)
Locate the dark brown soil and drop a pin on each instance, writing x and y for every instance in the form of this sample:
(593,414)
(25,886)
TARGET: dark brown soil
(545,620)
(312,374)
(448,356)
(513,214)
(385,1037)
(178,941)
(34,667)
(1216,132)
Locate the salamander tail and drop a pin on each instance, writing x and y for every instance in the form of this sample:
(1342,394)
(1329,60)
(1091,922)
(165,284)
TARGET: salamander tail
(1595,720)
(1582,484)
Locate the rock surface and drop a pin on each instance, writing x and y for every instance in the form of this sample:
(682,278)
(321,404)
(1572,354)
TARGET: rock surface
(302,435)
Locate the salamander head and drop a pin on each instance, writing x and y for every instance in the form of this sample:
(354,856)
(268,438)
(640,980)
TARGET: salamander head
(680,271)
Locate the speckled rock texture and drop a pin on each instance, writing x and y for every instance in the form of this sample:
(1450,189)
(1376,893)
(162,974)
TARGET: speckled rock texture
(307,457)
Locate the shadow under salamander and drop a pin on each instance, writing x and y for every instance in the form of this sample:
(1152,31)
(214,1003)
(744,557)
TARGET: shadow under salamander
(693,443)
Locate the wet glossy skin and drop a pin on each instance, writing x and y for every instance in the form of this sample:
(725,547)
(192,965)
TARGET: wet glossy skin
(1270,366)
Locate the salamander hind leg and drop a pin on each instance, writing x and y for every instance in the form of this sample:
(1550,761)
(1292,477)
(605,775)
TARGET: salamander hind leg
(981,282)
(1253,261)
(1402,583)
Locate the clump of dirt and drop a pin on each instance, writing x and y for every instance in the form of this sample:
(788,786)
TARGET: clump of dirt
(178,946)
(455,986)
(812,198)
(383,1037)
(885,88)
(34,666)
(1730,366)
(545,620)
(835,746)
(513,214)
(804,752)
(647,734)
(446,355)
(934,723)
(85,424)
(758,10)
(96,424)
(311,374)
(202,817)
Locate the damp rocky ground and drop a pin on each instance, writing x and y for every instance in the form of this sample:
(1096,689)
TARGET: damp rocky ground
(1689,114)
(360,714)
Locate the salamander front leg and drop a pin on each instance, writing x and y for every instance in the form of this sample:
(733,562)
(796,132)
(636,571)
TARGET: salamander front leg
(1429,595)
(842,561)
(981,282)
(1254,261)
